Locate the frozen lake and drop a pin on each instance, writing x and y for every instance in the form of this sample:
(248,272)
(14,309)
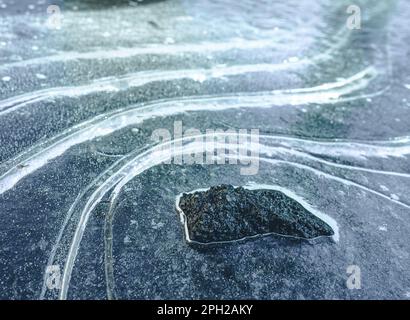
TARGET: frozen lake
(87,196)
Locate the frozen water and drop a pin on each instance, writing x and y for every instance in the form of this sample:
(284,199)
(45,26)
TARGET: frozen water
(85,190)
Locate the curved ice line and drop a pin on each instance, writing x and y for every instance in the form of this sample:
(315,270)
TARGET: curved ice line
(131,175)
(68,217)
(88,208)
(326,218)
(152,158)
(341,37)
(289,143)
(297,143)
(108,123)
(76,202)
(137,79)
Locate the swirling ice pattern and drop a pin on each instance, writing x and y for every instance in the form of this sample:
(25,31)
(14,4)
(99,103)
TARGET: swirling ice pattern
(133,165)
(317,157)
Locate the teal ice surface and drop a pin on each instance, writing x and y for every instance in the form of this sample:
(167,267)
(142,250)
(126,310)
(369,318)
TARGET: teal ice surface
(82,187)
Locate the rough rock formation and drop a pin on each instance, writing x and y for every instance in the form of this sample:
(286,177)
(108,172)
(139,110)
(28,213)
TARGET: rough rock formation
(224,213)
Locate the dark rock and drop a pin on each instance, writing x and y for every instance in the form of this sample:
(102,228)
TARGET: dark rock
(224,213)
(106,4)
